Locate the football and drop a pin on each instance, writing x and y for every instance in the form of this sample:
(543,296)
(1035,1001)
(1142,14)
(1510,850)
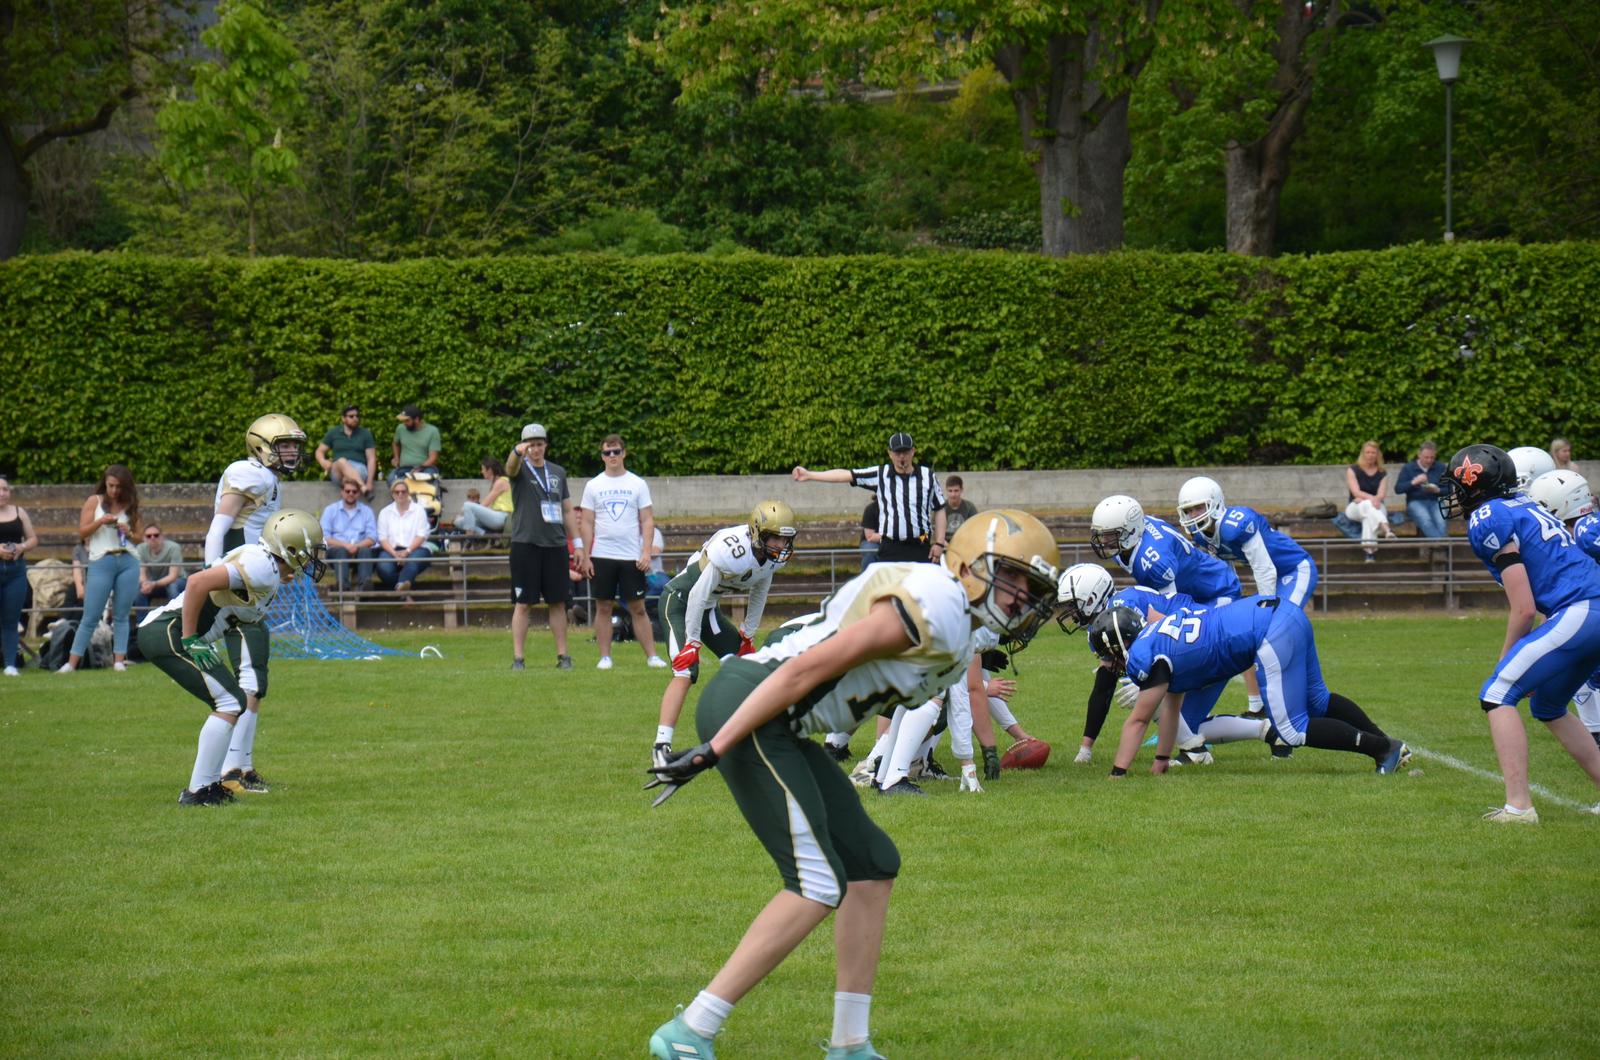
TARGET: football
(1025,754)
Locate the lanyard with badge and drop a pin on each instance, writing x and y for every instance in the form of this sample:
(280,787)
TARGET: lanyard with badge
(549,510)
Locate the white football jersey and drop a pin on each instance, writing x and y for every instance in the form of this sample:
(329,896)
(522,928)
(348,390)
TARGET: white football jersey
(730,551)
(258,485)
(933,605)
(253,581)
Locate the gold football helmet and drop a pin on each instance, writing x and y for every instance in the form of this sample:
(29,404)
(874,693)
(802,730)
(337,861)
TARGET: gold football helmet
(772,531)
(295,537)
(1005,559)
(277,442)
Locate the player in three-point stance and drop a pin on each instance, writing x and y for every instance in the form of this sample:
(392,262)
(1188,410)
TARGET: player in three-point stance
(897,633)
(1534,558)
(226,599)
(248,494)
(735,559)
(1190,650)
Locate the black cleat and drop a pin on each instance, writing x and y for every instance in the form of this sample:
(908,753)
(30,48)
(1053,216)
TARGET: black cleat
(839,751)
(238,780)
(1282,750)
(903,786)
(213,794)
(932,770)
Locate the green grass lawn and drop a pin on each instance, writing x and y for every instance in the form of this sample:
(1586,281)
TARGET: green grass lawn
(456,860)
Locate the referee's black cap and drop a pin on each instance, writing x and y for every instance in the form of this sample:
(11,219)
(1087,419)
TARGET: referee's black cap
(900,441)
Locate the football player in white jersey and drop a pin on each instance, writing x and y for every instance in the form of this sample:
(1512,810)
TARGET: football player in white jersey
(248,494)
(897,633)
(181,639)
(735,559)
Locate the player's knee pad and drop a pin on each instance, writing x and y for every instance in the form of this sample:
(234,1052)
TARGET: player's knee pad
(1488,706)
(884,857)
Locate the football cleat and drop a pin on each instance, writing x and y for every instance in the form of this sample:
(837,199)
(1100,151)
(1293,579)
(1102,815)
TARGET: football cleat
(604,663)
(213,794)
(674,1040)
(1281,750)
(865,774)
(903,786)
(659,755)
(860,1051)
(563,662)
(519,664)
(237,780)
(841,751)
(1504,815)
(932,770)
(1398,758)
(1199,756)
(1084,756)
(656,662)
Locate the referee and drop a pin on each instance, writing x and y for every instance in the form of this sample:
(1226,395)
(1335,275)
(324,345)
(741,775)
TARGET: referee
(911,507)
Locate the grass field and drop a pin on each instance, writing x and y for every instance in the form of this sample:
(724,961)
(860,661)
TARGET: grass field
(456,860)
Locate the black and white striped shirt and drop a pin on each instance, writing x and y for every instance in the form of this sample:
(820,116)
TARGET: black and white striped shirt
(906,503)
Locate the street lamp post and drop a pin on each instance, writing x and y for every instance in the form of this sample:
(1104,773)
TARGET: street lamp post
(1447,57)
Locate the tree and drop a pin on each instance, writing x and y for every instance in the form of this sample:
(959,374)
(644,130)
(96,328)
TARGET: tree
(1070,68)
(65,70)
(233,127)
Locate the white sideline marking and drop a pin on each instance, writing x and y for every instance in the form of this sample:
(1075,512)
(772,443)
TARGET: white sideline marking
(1488,774)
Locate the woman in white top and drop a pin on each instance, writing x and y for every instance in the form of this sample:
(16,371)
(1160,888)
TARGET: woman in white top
(402,531)
(1561,453)
(109,527)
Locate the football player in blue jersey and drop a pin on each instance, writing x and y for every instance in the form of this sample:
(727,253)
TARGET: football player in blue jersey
(1533,557)
(1567,496)
(1243,535)
(1189,650)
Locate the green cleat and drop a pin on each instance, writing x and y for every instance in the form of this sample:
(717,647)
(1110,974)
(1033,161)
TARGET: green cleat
(858,1051)
(674,1040)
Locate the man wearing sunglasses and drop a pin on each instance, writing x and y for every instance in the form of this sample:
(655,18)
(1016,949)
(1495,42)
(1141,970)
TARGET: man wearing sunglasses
(349,452)
(160,570)
(617,519)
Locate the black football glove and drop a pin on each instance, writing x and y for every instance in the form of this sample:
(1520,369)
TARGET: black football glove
(995,660)
(679,770)
(991,763)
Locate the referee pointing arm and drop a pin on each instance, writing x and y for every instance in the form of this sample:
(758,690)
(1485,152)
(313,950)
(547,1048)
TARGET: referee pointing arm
(911,509)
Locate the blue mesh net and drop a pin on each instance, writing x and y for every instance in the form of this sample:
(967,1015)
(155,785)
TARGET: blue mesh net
(302,628)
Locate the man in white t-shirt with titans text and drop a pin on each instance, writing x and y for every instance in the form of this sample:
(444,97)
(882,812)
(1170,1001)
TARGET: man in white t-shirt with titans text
(617,520)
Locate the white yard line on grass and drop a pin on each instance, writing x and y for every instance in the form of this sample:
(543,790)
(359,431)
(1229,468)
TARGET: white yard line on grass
(1487,774)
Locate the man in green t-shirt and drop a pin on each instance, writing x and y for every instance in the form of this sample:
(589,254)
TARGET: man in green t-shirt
(416,444)
(349,450)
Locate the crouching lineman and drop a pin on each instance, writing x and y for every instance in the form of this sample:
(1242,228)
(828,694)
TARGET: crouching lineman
(735,559)
(1566,495)
(1529,552)
(229,599)
(897,633)
(1192,649)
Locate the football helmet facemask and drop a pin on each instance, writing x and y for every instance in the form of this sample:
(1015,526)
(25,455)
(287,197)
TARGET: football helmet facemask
(1081,594)
(277,442)
(1003,558)
(772,531)
(1116,526)
(1475,474)
(295,537)
(1530,462)
(1565,493)
(1112,632)
(1200,506)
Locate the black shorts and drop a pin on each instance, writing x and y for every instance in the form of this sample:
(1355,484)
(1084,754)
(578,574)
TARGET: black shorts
(903,551)
(539,570)
(609,574)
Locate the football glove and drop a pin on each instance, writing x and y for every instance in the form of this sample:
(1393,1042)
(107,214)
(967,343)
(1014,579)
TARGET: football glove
(679,769)
(1127,693)
(204,655)
(687,657)
(969,778)
(746,645)
(991,763)
(1083,756)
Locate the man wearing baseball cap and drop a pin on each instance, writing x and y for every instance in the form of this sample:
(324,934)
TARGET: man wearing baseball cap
(542,520)
(416,444)
(911,508)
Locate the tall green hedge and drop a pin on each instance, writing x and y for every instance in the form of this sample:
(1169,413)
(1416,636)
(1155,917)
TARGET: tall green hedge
(753,364)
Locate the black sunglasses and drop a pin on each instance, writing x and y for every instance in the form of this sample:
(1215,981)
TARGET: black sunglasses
(611,452)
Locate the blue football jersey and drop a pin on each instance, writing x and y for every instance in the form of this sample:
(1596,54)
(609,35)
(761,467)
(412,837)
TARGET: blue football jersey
(1231,538)
(1203,645)
(1166,560)
(1140,597)
(1559,573)
(1586,532)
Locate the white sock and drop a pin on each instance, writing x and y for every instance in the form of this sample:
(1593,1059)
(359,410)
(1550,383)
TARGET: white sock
(1587,700)
(1228,728)
(208,758)
(664,734)
(706,1014)
(243,742)
(1254,701)
(850,1014)
(909,732)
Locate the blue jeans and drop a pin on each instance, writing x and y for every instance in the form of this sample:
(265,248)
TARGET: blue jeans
(114,576)
(391,573)
(13,591)
(143,602)
(477,519)
(346,562)
(1429,520)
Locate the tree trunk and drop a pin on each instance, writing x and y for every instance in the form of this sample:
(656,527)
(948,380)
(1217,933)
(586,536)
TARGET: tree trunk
(1253,190)
(14,193)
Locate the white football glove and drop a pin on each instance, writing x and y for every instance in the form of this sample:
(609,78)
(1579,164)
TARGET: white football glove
(1083,756)
(1127,693)
(969,778)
